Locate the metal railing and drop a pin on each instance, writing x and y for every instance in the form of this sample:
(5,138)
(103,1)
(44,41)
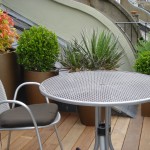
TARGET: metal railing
(134,30)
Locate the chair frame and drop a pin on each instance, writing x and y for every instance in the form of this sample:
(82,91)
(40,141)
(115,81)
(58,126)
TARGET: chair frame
(35,126)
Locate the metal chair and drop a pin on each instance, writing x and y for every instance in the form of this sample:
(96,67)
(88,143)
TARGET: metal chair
(25,117)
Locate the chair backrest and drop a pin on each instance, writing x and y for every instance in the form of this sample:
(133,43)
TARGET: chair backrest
(5,106)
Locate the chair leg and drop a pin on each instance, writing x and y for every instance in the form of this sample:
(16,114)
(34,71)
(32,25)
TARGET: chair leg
(61,147)
(8,142)
(39,138)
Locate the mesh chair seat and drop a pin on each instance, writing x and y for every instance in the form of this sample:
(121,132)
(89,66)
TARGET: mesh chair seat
(44,114)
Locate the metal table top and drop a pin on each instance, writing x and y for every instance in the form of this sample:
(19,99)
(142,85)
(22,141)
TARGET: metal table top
(98,88)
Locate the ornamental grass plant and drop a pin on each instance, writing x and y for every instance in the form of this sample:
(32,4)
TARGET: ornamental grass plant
(97,52)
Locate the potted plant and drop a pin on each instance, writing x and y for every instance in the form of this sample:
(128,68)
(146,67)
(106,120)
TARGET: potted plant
(98,52)
(9,69)
(37,53)
(142,65)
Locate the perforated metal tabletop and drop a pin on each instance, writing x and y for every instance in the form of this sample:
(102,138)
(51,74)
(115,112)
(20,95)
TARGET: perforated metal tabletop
(98,88)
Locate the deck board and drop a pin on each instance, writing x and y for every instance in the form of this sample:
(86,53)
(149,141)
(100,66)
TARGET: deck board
(72,136)
(119,132)
(145,135)
(127,134)
(85,140)
(63,130)
(134,132)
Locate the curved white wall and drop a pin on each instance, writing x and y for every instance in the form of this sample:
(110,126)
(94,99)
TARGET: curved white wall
(68,19)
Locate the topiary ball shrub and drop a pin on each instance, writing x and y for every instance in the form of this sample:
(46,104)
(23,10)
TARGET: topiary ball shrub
(142,63)
(38,49)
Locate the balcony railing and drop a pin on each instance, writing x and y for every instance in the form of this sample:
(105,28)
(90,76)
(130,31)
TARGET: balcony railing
(134,31)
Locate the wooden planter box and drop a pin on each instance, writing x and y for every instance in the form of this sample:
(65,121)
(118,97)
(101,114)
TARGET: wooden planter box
(145,110)
(87,115)
(32,92)
(9,73)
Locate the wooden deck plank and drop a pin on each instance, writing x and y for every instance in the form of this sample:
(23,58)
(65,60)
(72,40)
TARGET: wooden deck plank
(145,136)
(72,136)
(33,144)
(21,142)
(133,134)
(63,129)
(85,140)
(119,132)
(3,134)
(15,135)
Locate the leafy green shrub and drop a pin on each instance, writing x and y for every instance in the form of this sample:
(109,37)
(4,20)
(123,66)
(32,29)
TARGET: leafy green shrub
(142,63)
(37,49)
(143,45)
(97,52)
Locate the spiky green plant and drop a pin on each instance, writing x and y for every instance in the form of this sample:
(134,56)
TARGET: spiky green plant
(100,51)
(71,58)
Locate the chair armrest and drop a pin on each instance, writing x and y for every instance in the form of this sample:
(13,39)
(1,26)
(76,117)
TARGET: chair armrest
(25,84)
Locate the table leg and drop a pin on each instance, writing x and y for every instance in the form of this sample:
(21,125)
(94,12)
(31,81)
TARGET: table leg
(102,130)
(99,130)
(108,127)
(97,121)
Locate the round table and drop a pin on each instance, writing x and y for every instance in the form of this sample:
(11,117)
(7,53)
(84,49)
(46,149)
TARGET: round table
(99,89)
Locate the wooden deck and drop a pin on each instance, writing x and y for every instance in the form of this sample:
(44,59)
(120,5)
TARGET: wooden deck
(127,134)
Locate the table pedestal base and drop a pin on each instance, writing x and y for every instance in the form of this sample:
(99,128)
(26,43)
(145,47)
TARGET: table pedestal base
(103,130)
